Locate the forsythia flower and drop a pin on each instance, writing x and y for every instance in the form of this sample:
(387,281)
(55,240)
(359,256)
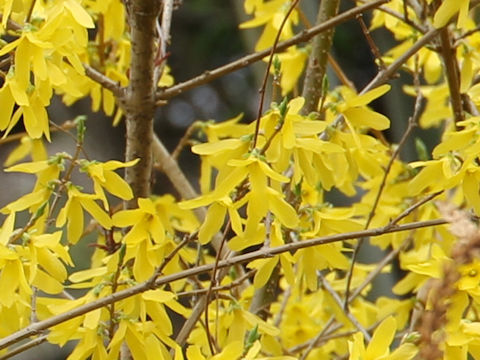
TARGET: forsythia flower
(379,346)
(104,177)
(73,212)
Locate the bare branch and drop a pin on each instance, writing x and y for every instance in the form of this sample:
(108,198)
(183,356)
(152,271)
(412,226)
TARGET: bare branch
(317,61)
(139,97)
(105,81)
(326,285)
(18,350)
(452,73)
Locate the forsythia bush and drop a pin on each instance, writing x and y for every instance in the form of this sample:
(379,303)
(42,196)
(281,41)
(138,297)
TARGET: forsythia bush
(258,265)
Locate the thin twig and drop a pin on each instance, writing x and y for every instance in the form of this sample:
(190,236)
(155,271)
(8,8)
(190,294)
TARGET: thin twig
(321,336)
(278,316)
(413,207)
(164,35)
(326,285)
(371,42)
(18,350)
(67,125)
(380,265)
(235,283)
(386,74)
(267,72)
(337,69)
(186,191)
(419,27)
(213,281)
(105,81)
(459,38)
(184,140)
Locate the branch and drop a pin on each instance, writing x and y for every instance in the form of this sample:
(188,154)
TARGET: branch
(24,347)
(306,35)
(329,289)
(38,327)
(139,97)
(452,73)
(386,74)
(104,81)
(317,61)
(164,34)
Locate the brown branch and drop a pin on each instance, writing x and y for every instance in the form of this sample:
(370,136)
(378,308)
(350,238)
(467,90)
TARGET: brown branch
(419,27)
(386,74)
(331,60)
(38,327)
(235,283)
(371,43)
(317,61)
(18,350)
(306,35)
(105,81)
(12,25)
(140,96)
(452,73)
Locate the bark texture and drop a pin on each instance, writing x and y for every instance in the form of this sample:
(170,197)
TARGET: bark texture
(140,95)
(317,62)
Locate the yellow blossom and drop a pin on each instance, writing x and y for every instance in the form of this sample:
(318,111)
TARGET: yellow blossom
(379,347)
(73,212)
(104,177)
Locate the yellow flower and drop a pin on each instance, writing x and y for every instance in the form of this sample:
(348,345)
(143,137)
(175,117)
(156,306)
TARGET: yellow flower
(355,111)
(379,346)
(104,177)
(292,63)
(12,277)
(423,264)
(145,220)
(27,146)
(447,9)
(271,14)
(73,212)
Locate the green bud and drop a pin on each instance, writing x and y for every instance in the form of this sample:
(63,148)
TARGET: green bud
(421,149)
(276,64)
(81,127)
(325,85)
(252,336)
